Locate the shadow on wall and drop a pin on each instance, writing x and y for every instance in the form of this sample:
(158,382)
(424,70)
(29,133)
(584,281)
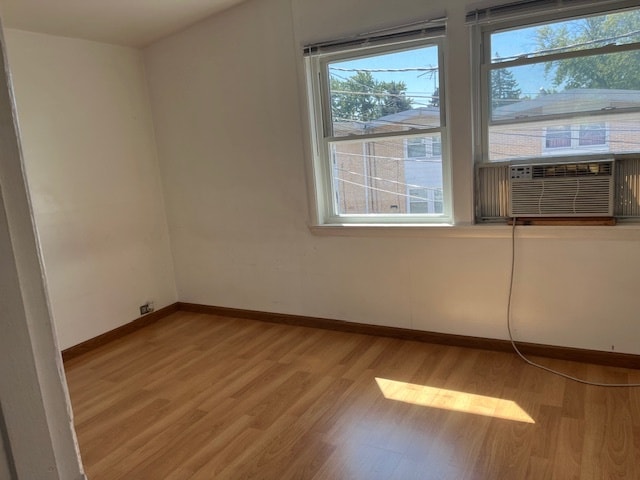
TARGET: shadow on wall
(7,469)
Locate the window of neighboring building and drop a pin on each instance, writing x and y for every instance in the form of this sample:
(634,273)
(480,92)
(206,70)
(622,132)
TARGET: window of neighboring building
(565,86)
(592,134)
(558,137)
(438,203)
(378,128)
(417,148)
(424,200)
(581,138)
(423,148)
(418,200)
(436,146)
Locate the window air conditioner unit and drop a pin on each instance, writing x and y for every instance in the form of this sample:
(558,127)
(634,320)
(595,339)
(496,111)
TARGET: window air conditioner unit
(580,189)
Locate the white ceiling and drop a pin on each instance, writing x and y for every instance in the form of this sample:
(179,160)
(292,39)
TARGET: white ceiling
(136,23)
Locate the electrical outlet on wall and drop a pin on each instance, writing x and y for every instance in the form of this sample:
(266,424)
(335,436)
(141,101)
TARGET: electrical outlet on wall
(146,308)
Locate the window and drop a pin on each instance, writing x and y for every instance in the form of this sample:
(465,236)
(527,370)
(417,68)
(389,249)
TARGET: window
(563,87)
(423,148)
(592,135)
(436,146)
(418,200)
(417,148)
(558,137)
(438,204)
(423,200)
(556,82)
(377,130)
(580,138)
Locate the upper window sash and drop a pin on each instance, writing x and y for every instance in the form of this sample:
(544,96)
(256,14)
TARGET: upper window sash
(501,118)
(321,64)
(599,47)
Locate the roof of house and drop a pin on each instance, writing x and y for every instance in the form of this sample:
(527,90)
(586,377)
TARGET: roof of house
(414,117)
(576,99)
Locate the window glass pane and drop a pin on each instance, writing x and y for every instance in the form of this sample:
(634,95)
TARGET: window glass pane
(377,177)
(424,148)
(416,147)
(438,201)
(593,134)
(418,200)
(558,137)
(436,146)
(384,92)
(566,36)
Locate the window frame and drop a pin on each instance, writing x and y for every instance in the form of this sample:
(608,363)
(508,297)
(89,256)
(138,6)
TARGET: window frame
(319,101)
(482,67)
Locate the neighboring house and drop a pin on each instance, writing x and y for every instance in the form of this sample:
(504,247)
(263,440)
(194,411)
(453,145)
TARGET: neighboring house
(392,175)
(517,134)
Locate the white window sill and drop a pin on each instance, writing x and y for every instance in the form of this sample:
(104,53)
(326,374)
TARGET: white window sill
(621,231)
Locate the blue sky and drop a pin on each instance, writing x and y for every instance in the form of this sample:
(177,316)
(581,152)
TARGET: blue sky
(513,43)
(421,84)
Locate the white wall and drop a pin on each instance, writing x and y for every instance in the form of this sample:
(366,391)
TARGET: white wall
(89,149)
(228,114)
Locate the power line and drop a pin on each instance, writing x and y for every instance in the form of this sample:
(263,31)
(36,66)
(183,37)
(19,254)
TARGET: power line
(389,159)
(383,94)
(391,70)
(380,189)
(575,46)
(408,185)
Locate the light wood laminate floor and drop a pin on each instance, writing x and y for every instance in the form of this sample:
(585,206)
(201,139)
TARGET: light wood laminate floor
(197,396)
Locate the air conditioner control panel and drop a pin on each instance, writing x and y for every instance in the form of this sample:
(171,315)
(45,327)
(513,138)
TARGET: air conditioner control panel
(521,172)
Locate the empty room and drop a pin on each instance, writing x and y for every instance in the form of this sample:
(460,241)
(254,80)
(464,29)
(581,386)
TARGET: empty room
(339,239)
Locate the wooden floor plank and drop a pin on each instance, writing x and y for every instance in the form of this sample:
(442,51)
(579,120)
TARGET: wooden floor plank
(197,396)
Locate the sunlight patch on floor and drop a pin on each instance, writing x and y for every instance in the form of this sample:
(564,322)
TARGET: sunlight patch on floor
(452,400)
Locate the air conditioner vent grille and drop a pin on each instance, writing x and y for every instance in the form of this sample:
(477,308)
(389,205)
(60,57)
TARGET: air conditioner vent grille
(572,170)
(562,190)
